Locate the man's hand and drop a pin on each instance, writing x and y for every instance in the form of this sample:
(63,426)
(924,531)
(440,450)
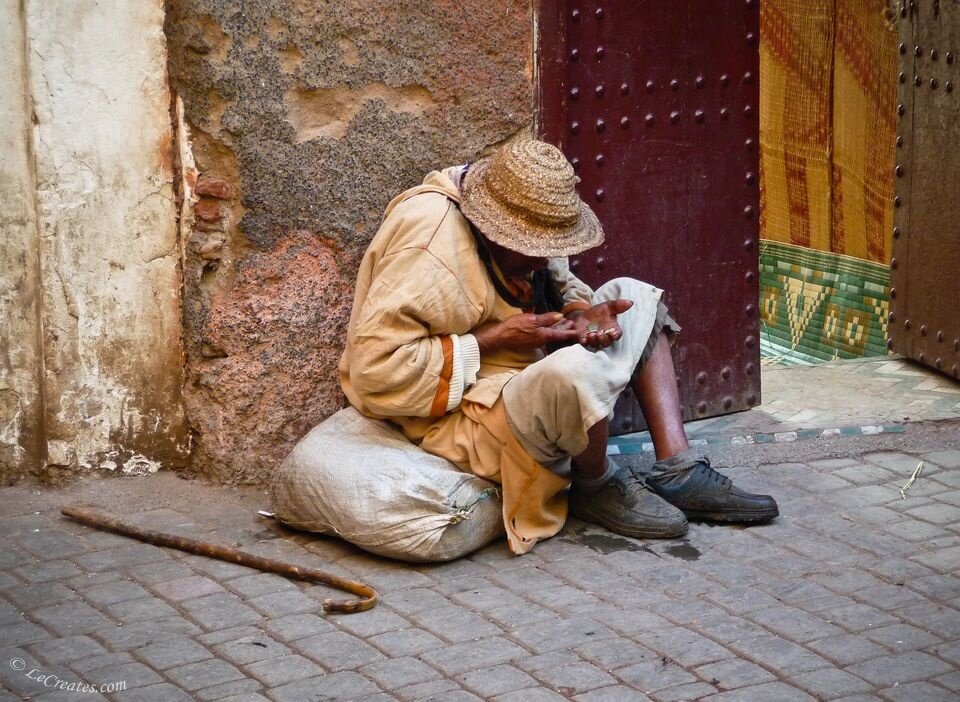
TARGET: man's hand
(597,327)
(526,331)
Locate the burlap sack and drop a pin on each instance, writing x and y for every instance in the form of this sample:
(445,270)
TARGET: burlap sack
(362,480)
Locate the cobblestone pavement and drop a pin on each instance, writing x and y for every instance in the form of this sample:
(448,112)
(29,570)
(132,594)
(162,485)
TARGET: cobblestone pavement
(852,594)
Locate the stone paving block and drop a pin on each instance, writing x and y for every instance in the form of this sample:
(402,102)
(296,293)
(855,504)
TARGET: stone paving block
(630,620)
(899,570)
(40,595)
(187,588)
(786,657)
(513,617)
(941,620)
(417,600)
(69,618)
(947,651)
(915,530)
(337,650)
(172,652)
(574,679)
(247,649)
(283,669)
(261,584)
(405,642)
(121,557)
(727,627)
(676,581)
(297,626)
(220,612)
(473,655)
(335,686)
(497,680)
(481,600)
(561,634)
(831,682)
(794,624)
(101,660)
(846,649)
(686,611)
(537,694)
(144,609)
(130,636)
(740,600)
(769,692)
(610,654)
(397,578)
(66,649)
(944,561)
(196,676)
(214,638)
(918,692)
(23,632)
(900,668)
(525,578)
(565,598)
(396,673)
(949,458)
(733,673)
(685,647)
(902,637)
(158,571)
(279,604)
(436,690)
(161,692)
(937,513)
(245,686)
(215,569)
(683,693)
(47,544)
(951,681)
(47,571)
(455,623)
(615,693)
(379,620)
(133,675)
(951,498)
(114,593)
(658,674)
(860,617)
(899,463)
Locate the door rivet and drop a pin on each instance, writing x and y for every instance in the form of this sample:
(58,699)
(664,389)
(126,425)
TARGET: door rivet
(749,143)
(601,125)
(674,117)
(923,330)
(624,89)
(940,336)
(702,407)
(896,232)
(725,373)
(949,57)
(934,83)
(896,201)
(574,54)
(917,81)
(727,402)
(699,81)
(890,344)
(893,293)
(903,77)
(724,80)
(748,78)
(748,244)
(749,369)
(933,54)
(901,109)
(748,211)
(750,309)
(908,325)
(674,84)
(599,159)
(698,115)
(650,86)
(624,122)
(749,276)
(751,38)
(948,86)
(575,15)
(747,110)
(600,52)
(899,142)
(575,162)
(599,13)
(903,48)
(649,119)
(575,127)
(725,114)
(599,90)
(601,194)
(938,363)
(892,317)
(601,261)
(893,263)
(750,341)
(701,377)
(750,177)
(574,93)
(922,357)
(917,51)
(899,171)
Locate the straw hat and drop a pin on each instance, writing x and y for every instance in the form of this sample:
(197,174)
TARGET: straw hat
(523,198)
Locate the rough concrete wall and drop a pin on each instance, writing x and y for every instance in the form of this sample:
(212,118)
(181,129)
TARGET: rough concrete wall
(101,157)
(22,448)
(306,118)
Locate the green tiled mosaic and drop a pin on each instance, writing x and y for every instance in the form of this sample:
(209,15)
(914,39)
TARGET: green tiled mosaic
(820,306)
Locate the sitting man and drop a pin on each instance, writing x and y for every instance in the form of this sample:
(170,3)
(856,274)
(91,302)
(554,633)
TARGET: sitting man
(463,290)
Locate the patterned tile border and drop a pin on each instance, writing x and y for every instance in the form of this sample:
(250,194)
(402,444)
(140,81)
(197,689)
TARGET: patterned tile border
(641,443)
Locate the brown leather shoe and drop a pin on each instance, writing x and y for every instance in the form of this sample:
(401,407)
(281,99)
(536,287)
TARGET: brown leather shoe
(626,506)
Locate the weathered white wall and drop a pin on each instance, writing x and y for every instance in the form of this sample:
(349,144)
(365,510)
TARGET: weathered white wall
(99,157)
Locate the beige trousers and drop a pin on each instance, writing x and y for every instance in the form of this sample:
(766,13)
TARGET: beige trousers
(551,404)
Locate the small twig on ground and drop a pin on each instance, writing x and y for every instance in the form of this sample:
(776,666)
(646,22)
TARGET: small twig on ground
(906,485)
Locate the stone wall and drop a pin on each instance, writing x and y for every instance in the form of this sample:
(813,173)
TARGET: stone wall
(91,362)
(300,121)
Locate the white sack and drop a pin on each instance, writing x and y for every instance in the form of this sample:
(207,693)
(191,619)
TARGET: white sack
(361,479)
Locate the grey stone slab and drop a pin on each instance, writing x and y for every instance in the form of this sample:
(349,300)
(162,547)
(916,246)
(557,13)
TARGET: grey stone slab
(574,679)
(141,610)
(768,692)
(794,624)
(900,668)
(23,632)
(172,652)
(561,633)
(215,638)
(396,673)
(786,657)
(101,660)
(130,636)
(379,620)
(615,653)
(260,584)
(942,560)
(513,617)
(846,649)
(216,569)
(132,675)
(473,655)
(202,674)
(483,599)
(48,544)
(859,617)
(220,612)
(828,683)
(283,669)
(280,604)
(161,692)
(936,587)
(455,623)
(902,637)
(937,514)
(298,626)
(187,588)
(434,690)
(336,686)
(232,688)
(727,628)
(497,680)
(651,676)
(67,649)
(734,673)
(919,692)
(537,694)
(71,618)
(121,557)
(417,600)
(158,572)
(113,592)
(948,458)
(685,647)
(941,620)
(740,600)
(337,650)
(406,642)
(684,693)
(247,649)
(31,597)
(47,571)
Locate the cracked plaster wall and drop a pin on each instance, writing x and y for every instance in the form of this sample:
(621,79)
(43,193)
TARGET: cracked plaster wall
(91,364)
(300,121)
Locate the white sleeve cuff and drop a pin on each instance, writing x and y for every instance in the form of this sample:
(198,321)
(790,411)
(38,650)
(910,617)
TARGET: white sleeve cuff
(466,363)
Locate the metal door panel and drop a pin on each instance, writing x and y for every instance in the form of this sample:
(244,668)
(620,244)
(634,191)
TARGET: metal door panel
(656,104)
(925,268)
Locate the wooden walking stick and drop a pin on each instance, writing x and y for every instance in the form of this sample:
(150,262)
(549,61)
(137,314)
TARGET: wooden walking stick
(99,520)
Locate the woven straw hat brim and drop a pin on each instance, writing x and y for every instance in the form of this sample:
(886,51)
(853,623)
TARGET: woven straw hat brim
(507,228)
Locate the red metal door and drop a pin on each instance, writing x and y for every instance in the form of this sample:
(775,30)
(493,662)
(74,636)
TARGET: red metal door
(656,105)
(925,269)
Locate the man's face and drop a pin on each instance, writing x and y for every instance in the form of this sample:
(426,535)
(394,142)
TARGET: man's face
(513,264)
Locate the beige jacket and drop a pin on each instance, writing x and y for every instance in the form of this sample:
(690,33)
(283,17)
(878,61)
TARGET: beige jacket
(411,356)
